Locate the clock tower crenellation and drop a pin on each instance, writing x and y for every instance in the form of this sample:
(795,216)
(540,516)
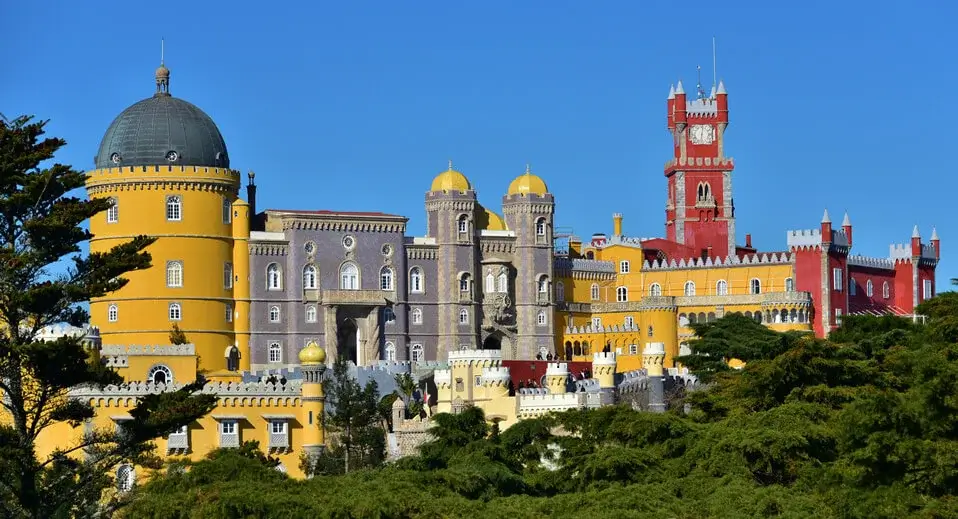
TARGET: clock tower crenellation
(700,210)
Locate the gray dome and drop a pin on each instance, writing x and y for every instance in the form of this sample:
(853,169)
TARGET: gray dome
(162,130)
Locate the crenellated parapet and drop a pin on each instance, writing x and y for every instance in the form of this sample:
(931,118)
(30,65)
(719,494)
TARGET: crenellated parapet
(163,178)
(603,358)
(869,262)
(812,239)
(557,369)
(442,378)
(704,163)
(729,261)
(653,358)
(900,252)
(532,406)
(475,358)
(496,376)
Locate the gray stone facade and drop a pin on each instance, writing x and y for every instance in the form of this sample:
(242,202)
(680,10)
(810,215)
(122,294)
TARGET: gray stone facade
(382,295)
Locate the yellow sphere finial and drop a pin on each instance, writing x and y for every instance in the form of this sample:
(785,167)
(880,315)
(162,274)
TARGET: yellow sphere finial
(451,180)
(527,184)
(312,354)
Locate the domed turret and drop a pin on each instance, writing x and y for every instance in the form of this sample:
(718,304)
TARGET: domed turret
(487,220)
(162,130)
(450,180)
(312,354)
(527,184)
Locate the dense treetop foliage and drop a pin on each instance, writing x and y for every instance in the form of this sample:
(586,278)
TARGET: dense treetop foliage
(864,424)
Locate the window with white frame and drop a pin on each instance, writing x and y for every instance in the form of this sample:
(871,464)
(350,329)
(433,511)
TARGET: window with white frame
(277,427)
(629,322)
(543,284)
(274,314)
(389,316)
(227,275)
(655,290)
(274,277)
(174,274)
(386,278)
(175,312)
(789,285)
(229,433)
(594,292)
(869,288)
(415,280)
(229,313)
(596,323)
(465,283)
(113,212)
(227,210)
(838,316)
(311,314)
(624,267)
(721,287)
(349,276)
(275,352)
(160,374)
(463,316)
(885,290)
(621,294)
(837,282)
(502,283)
(390,351)
(310,277)
(228,427)
(755,286)
(125,478)
(560,291)
(416,316)
(490,283)
(174,208)
(690,288)
(112,313)
(541,227)
(927,289)
(417,352)
(463,224)
(542,319)
(852,286)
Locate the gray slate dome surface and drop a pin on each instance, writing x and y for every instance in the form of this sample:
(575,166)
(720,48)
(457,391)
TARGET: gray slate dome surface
(162,130)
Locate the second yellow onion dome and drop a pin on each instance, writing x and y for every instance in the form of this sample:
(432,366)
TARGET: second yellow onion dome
(527,184)
(487,220)
(451,180)
(312,354)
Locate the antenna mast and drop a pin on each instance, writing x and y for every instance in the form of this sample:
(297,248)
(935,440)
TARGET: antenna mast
(162,45)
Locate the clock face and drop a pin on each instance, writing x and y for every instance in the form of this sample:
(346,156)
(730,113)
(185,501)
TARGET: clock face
(702,134)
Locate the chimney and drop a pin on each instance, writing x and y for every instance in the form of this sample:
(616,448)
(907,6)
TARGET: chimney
(251,197)
(748,241)
(617,224)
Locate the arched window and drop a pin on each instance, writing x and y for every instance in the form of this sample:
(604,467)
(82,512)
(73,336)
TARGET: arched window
(417,353)
(390,351)
(755,286)
(852,286)
(541,227)
(160,374)
(542,319)
(463,316)
(310,277)
(416,316)
(274,314)
(229,312)
(503,282)
(311,314)
(125,478)
(113,212)
(651,331)
(227,210)
(594,291)
(176,312)
(174,208)
(174,274)
(885,291)
(869,288)
(690,288)
(621,294)
(415,280)
(275,352)
(789,285)
(463,224)
(274,277)
(386,278)
(560,291)
(227,275)
(465,282)
(721,287)
(349,276)
(388,315)
(112,313)
(655,290)
(490,283)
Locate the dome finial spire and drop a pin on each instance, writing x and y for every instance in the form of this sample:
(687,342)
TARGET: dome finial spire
(450,164)
(162,73)
(528,169)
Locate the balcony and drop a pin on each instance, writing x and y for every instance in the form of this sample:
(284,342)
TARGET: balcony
(356,297)
(229,441)
(178,443)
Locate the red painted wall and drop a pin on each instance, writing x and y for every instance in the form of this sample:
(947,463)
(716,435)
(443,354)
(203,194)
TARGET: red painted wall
(525,370)
(878,276)
(808,278)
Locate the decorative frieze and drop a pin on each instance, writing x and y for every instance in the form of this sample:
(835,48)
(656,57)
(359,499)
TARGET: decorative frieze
(729,261)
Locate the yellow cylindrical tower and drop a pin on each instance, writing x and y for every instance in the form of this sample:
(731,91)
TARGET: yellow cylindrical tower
(241,294)
(603,368)
(164,164)
(557,375)
(312,359)
(653,359)
(496,379)
(660,324)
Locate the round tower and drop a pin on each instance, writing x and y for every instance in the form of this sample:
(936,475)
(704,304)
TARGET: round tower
(653,357)
(496,381)
(240,282)
(557,375)
(603,368)
(312,360)
(660,324)
(164,165)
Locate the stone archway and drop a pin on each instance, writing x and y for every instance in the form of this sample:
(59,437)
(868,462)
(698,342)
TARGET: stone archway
(492,342)
(347,337)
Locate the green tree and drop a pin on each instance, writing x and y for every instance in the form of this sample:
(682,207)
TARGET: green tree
(40,226)
(177,336)
(353,416)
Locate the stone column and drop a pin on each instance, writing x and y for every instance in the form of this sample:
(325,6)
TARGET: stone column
(331,332)
(371,340)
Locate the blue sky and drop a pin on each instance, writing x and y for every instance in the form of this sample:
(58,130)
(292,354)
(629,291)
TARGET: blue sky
(357,105)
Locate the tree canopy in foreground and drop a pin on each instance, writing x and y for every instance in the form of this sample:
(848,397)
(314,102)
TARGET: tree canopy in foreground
(862,425)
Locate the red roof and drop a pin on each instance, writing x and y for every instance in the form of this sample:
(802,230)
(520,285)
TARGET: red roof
(327,212)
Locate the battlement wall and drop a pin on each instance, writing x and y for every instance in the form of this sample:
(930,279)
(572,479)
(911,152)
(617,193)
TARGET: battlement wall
(729,261)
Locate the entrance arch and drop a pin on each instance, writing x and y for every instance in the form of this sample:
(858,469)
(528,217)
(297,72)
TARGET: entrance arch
(492,342)
(348,340)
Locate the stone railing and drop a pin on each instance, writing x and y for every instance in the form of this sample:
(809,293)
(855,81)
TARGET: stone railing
(178,443)
(229,441)
(148,349)
(291,388)
(357,297)
(278,440)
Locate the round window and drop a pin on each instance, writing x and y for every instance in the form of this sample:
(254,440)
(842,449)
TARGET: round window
(387,250)
(349,242)
(172,156)
(310,248)
(115,157)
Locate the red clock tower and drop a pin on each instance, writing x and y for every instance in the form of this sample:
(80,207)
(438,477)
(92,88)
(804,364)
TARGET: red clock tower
(700,212)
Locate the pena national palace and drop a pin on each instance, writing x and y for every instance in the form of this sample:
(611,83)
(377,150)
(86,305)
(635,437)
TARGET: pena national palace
(489,305)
